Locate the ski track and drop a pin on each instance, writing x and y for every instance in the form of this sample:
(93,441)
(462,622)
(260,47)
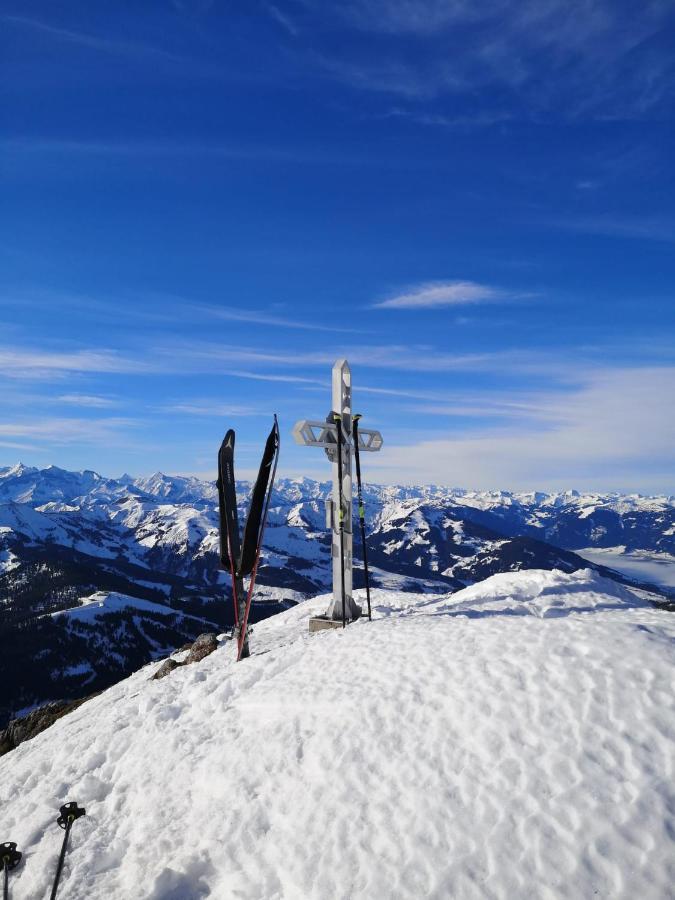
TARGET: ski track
(496,743)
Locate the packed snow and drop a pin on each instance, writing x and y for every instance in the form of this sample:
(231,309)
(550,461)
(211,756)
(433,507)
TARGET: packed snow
(512,740)
(102,603)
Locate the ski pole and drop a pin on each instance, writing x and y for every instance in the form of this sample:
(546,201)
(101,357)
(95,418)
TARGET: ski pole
(362,509)
(11,858)
(68,813)
(341,517)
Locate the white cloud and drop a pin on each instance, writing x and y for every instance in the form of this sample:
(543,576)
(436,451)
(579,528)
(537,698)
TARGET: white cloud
(209,408)
(87,400)
(571,57)
(616,432)
(28,363)
(289,379)
(442,293)
(264,318)
(91,41)
(200,356)
(13,445)
(64,430)
(651,228)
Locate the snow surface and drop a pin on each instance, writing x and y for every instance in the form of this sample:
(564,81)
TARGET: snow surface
(102,603)
(513,740)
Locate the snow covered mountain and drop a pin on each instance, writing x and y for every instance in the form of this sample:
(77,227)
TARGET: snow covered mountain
(510,740)
(67,536)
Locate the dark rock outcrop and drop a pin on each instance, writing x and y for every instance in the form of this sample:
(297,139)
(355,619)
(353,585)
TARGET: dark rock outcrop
(166,668)
(28,726)
(202,647)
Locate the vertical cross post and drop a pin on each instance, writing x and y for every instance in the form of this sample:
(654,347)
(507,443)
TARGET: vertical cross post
(324,435)
(342,406)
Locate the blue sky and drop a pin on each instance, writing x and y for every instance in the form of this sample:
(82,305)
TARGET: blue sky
(206,203)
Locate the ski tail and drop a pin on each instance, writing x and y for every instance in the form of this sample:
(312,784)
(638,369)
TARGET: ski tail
(256,522)
(362,509)
(230,547)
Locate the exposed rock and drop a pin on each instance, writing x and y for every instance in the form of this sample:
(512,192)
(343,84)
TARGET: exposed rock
(202,647)
(28,726)
(166,668)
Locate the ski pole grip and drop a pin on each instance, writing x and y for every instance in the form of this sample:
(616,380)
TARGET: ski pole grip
(9,855)
(69,812)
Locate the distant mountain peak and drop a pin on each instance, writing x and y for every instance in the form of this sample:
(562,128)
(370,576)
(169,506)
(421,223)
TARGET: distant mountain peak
(17,470)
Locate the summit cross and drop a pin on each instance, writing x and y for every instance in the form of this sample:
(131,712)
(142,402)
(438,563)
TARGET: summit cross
(339,509)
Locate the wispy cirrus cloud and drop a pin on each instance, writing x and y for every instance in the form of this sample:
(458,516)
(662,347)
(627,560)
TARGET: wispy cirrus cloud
(433,294)
(645,227)
(91,401)
(14,445)
(260,317)
(209,408)
(288,379)
(30,363)
(117,46)
(26,150)
(64,430)
(578,58)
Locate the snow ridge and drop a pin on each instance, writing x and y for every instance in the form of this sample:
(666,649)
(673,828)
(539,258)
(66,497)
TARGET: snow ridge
(513,740)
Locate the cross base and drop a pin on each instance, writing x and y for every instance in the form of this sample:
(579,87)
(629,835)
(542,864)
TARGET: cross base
(323,623)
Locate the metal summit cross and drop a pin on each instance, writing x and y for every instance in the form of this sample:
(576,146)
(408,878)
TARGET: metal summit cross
(325,435)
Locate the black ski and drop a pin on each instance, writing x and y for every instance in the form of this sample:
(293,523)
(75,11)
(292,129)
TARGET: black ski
(241,558)
(69,812)
(362,509)
(230,548)
(255,525)
(341,515)
(10,858)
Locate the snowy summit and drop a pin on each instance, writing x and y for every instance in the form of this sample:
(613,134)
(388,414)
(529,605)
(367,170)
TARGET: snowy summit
(511,740)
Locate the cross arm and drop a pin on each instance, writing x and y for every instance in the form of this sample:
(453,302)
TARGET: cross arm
(312,433)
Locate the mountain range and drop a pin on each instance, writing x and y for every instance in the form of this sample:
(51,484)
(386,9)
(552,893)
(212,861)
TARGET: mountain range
(98,575)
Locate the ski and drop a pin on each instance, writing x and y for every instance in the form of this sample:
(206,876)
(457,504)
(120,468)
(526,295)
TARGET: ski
(255,525)
(239,557)
(68,814)
(341,515)
(230,548)
(362,509)
(10,858)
